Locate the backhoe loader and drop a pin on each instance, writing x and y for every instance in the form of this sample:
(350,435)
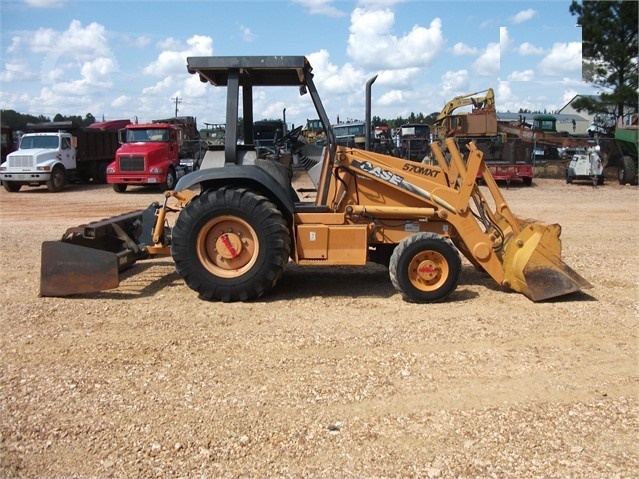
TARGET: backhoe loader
(239,220)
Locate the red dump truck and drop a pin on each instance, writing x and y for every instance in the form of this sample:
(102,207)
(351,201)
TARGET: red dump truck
(154,154)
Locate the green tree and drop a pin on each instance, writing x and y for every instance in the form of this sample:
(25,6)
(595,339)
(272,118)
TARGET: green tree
(610,51)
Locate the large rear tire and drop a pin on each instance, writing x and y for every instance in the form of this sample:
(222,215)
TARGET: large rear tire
(230,244)
(627,170)
(425,268)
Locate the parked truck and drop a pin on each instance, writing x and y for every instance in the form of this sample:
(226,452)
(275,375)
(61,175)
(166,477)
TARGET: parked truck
(152,154)
(57,153)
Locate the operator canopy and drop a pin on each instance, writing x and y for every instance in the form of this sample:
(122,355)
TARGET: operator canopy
(254,70)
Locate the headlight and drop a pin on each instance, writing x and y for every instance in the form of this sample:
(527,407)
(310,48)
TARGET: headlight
(155,170)
(43,168)
(110,170)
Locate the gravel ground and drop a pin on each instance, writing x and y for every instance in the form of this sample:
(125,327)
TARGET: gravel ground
(330,375)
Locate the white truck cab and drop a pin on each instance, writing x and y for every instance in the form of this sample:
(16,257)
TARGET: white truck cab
(41,159)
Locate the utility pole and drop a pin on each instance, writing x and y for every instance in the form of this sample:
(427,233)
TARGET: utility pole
(177,101)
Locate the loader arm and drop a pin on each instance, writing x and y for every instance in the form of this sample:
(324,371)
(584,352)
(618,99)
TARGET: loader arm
(521,255)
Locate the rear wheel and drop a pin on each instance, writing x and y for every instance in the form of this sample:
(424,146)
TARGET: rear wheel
(57,179)
(171,179)
(425,268)
(627,170)
(230,244)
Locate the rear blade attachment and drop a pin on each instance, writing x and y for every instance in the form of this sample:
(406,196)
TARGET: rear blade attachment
(533,265)
(89,258)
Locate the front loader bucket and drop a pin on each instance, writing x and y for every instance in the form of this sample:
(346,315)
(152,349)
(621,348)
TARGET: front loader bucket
(533,266)
(89,258)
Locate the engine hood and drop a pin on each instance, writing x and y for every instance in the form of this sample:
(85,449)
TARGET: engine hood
(141,148)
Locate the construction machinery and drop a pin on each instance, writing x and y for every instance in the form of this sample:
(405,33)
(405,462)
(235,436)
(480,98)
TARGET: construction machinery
(313,130)
(240,221)
(586,164)
(213,134)
(413,141)
(512,149)
(480,125)
(626,137)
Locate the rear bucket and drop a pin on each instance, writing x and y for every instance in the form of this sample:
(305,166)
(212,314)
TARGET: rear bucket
(68,269)
(533,265)
(89,257)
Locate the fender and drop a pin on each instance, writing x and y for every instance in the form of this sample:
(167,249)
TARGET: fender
(250,175)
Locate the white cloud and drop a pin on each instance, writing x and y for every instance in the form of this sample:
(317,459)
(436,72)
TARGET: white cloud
(194,88)
(488,63)
(79,50)
(528,49)
(333,79)
(526,75)
(16,71)
(568,95)
(371,42)
(397,78)
(564,58)
(98,71)
(121,101)
(160,88)
(45,3)
(455,83)
(504,40)
(173,59)
(391,98)
(523,16)
(321,7)
(246,33)
(460,49)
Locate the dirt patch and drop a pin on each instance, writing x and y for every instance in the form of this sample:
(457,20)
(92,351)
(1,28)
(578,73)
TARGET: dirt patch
(329,375)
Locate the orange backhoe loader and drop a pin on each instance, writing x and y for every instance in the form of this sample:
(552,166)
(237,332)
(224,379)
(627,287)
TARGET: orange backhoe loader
(239,220)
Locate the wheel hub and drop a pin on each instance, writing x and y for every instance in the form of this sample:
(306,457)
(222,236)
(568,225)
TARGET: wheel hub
(428,270)
(228,245)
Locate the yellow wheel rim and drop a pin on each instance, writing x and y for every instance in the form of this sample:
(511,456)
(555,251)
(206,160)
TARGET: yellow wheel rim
(428,270)
(227,246)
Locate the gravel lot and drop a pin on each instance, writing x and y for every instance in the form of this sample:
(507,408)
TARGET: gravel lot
(330,375)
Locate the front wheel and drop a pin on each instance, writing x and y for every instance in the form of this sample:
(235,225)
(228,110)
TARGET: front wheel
(119,187)
(11,186)
(57,179)
(425,268)
(230,244)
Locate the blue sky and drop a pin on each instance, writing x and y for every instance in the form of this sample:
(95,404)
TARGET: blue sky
(117,59)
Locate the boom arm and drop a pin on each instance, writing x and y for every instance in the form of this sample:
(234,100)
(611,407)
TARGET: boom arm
(483,102)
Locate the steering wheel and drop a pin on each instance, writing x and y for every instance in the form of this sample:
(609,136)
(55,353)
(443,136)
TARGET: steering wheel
(294,133)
